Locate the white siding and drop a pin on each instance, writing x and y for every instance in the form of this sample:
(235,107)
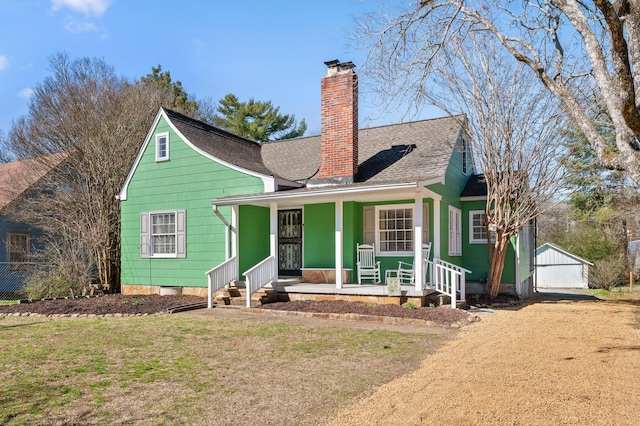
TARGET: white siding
(557,269)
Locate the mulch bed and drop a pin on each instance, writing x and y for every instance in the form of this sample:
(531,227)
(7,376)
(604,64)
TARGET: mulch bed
(153,304)
(103,305)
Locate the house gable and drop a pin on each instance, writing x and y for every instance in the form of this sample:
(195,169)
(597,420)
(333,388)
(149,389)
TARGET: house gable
(235,153)
(184,185)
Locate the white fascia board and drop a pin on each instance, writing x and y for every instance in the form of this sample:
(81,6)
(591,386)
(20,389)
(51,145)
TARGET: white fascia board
(428,192)
(329,192)
(428,182)
(564,252)
(268,181)
(474,198)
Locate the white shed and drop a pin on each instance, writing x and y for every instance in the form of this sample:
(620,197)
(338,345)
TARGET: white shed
(557,268)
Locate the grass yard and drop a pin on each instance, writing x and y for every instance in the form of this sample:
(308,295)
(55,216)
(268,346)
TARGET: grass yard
(172,369)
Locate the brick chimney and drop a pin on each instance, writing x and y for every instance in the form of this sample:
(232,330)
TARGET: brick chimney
(339,113)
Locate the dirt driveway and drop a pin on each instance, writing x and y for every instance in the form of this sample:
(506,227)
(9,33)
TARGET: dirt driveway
(557,362)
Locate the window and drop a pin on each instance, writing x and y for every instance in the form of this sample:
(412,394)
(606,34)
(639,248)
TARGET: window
(162,234)
(162,147)
(477,227)
(455,231)
(390,228)
(17,250)
(394,229)
(465,157)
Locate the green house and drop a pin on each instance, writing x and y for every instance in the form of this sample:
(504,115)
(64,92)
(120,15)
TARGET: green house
(202,208)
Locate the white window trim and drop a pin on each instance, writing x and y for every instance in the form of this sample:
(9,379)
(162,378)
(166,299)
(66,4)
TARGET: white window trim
(158,137)
(455,233)
(152,254)
(380,207)
(471,227)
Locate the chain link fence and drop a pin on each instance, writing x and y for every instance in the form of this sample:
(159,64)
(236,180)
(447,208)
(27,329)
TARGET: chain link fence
(13,277)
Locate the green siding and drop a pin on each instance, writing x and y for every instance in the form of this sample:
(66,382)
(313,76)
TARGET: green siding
(187,181)
(475,257)
(319,236)
(253,238)
(455,182)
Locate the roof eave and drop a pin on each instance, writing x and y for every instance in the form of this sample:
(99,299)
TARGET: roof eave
(326,194)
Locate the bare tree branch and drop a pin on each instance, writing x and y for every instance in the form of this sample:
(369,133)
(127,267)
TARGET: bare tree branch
(514,128)
(580,50)
(98,121)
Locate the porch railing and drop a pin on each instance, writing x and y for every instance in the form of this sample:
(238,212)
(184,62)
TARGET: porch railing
(448,279)
(259,276)
(220,276)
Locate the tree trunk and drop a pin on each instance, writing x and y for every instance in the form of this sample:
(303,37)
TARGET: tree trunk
(496,265)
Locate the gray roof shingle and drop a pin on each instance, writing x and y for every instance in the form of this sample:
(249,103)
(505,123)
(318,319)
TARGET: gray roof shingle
(476,186)
(220,143)
(417,150)
(413,151)
(19,176)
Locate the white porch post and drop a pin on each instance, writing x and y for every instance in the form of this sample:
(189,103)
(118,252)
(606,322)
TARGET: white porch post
(436,228)
(234,230)
(418,264)
(339,251)
(273,235)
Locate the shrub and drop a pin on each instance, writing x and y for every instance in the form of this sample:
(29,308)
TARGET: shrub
(42,285)
(608,272)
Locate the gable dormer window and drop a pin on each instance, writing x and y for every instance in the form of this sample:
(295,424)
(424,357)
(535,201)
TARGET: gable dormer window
(162,147)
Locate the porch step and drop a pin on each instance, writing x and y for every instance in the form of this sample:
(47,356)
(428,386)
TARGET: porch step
(235,295)
(439,299)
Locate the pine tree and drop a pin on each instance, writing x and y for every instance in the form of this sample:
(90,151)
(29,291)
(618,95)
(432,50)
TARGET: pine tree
(256,120)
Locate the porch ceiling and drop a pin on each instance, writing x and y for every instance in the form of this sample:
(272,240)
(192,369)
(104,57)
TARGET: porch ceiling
(329,194)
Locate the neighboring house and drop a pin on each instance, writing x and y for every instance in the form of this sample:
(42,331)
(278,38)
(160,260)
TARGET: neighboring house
(557,268)
(17,240)
(200,199)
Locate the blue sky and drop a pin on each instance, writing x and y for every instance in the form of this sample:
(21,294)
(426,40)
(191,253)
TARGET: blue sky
(266,50)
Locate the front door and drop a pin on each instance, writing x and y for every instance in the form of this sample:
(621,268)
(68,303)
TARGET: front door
(290,242)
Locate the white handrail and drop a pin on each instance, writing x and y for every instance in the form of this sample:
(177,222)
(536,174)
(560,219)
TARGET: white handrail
(259,276)
(448,278)
(220,276)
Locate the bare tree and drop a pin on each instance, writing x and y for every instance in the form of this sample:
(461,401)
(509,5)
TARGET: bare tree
(513,125)
(98,122)
(582,51)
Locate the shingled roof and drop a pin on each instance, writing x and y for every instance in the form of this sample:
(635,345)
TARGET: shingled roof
(414,151)
(18,176)
(476,187)
(220,143)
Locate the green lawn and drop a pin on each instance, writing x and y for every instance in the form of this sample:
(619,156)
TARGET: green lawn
(180,369)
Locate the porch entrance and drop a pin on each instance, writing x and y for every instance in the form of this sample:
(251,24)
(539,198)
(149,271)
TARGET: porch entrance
(290,242)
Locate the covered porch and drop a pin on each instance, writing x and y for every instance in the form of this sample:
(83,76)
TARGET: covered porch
(442,276)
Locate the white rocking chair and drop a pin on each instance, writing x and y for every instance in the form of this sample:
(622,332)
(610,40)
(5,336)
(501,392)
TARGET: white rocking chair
(406,271)
(368,267)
